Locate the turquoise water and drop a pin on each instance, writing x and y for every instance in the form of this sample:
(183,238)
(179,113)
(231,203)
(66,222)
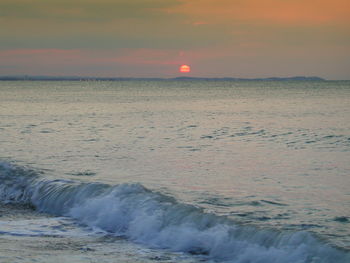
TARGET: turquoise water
(266,162)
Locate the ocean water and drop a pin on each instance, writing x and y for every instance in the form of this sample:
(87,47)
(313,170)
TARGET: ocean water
(175,171)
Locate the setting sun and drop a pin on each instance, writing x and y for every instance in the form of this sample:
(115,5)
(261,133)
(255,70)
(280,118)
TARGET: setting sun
(185,69)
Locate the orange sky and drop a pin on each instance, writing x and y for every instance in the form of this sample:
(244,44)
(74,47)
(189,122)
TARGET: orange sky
(287,12)
(151,38)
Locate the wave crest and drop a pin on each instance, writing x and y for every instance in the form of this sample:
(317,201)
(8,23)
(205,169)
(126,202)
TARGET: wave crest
(159,221)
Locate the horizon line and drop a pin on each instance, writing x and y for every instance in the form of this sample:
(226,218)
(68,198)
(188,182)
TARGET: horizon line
(82,78)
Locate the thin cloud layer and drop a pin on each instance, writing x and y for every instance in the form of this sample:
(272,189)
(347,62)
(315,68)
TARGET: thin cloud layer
(135,37)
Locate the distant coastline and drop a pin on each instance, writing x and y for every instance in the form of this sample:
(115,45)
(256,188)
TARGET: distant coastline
(77,78)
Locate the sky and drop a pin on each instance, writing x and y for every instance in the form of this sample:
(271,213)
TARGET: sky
(152,38)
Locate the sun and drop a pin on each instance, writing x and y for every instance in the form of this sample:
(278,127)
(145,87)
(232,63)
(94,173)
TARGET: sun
(185,69)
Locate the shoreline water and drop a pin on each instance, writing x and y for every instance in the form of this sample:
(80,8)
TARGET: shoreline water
(199,167)
(155,220)
(78,246)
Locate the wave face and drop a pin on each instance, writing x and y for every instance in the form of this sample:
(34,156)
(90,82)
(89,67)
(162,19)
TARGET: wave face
(159,221)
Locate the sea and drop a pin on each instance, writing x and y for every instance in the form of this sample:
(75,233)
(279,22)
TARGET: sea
(175,171)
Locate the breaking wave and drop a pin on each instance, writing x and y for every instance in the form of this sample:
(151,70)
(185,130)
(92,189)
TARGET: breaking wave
(159,221)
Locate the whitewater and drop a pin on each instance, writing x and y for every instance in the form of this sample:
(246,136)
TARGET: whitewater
(175,171)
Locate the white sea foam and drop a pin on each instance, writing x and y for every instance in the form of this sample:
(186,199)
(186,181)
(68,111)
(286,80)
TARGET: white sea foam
(159,221)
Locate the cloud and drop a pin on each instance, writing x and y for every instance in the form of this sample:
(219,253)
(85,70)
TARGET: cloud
(287,12)
(34,58)
(143,59)
(117,62)
(90,10)
(100,24)
(140,37)
(31,52)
